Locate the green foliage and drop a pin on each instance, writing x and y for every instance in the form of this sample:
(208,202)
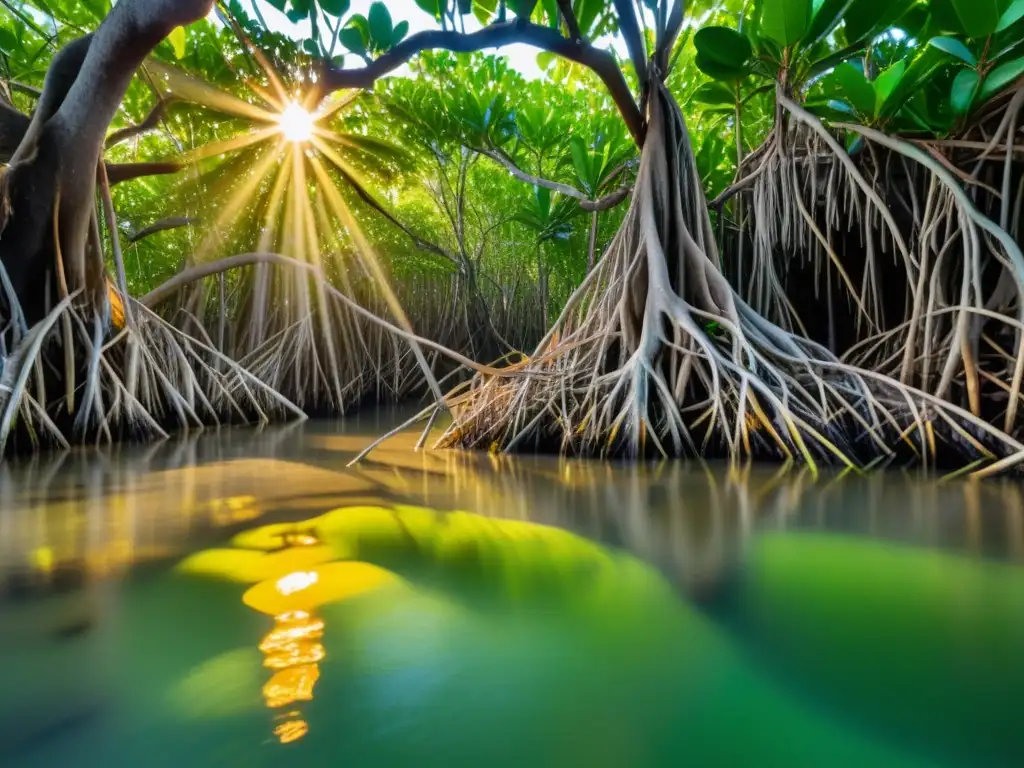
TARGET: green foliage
(723,53)
(897,64)
(916,67)
(785,22)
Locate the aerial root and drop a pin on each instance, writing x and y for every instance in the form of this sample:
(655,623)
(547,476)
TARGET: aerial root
(657,355)
(148,377)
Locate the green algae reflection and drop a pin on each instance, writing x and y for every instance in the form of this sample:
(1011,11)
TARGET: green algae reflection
(919,645)
(453,638)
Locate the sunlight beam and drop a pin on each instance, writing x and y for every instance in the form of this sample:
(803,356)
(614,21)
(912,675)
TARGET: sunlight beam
(369,258)
(230,145)
(188,88)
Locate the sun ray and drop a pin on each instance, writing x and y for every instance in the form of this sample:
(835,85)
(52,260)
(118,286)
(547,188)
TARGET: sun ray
(274,210)
(235,204)
(370,261)
(265,65)
(227,146)
(330,108)
(199,92)
(338,161)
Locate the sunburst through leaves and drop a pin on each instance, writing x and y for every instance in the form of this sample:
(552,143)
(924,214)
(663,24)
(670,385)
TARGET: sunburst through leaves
(306,272)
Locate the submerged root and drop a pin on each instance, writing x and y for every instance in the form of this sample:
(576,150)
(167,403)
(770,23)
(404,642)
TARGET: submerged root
(656,354)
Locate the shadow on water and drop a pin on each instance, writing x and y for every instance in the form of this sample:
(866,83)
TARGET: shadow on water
(227,596)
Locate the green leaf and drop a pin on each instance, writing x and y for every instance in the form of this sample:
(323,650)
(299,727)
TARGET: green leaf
(542,195)
(786,21)
(178,42)
(352,38)
(944,17)
(915,20)
(380,25)
(336,8)
(886,82)
(827,15)
(868,18)
(432,7)
(359,21)
(581,162)
(831,109)
(965,85)
(98,8)
(723,46)
(399,32)
(310,47)
(954,47)
(833,60)
(717,94)
(717,70)
(917,76)
(856,89)
(300,10)
(979,17)
(8,41)
(548,9)
(1002,76)
(1011,15)
(484,10)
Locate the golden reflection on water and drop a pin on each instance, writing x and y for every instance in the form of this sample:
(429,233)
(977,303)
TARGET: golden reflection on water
(293,650)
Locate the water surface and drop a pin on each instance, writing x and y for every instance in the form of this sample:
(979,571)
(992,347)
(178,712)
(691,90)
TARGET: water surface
(243,597)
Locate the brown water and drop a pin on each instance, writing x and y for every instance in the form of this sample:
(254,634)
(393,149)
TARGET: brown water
(462,608)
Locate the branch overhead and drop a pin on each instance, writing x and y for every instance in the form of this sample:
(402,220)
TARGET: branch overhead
(601,62)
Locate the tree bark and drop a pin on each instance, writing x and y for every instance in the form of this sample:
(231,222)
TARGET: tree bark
(49,192)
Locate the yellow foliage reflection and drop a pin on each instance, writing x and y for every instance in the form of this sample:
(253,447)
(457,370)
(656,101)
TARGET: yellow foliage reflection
(308,590)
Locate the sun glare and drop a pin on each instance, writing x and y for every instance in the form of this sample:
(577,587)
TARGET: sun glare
(296,123)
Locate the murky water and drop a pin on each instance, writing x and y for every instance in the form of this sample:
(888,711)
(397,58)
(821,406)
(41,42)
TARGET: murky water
(244,598)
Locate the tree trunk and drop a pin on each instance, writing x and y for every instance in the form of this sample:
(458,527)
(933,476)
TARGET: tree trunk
(48,193)
(592,241)
(542,284)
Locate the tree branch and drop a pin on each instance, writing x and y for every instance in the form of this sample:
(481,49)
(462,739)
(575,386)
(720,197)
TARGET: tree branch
(28,90)
(149,123)
(173,222)
(371,201)
(630,29)
(569,17)
(606,202)
(494,36)
(119,172)
(602,204)
(13,126)
(60,77)
(128,34)
(675,23)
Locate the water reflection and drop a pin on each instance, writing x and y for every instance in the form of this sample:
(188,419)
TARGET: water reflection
(293,650)
(312,603)
(102,511)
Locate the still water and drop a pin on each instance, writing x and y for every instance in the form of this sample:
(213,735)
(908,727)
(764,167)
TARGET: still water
(244,598)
